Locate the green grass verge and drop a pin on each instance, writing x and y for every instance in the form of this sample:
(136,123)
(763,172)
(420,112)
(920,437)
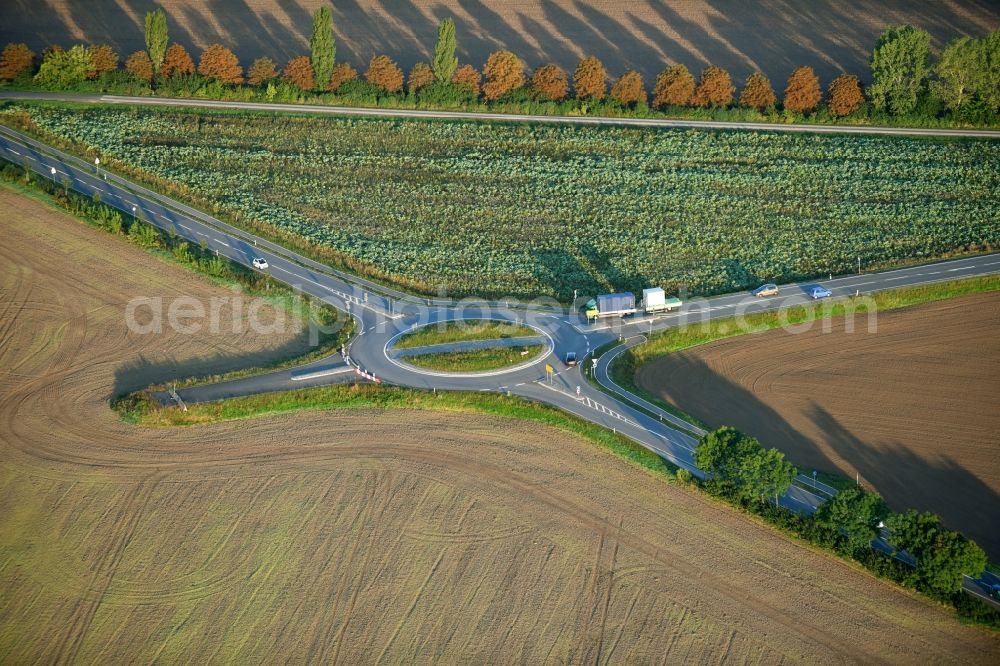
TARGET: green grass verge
(475,360)
(463,331)
(139,408)
(624,368)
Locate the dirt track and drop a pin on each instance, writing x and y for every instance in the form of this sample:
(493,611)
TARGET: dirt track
(350,537)
(912,408)
(773,35)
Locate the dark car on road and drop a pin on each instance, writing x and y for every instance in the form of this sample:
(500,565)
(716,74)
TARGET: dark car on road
(570,358)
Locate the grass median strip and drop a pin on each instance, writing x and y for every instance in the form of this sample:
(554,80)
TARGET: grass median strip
(463,331)
(475,360)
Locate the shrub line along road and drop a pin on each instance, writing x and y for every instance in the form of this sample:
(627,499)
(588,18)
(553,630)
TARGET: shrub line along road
(506,117)
(379,318)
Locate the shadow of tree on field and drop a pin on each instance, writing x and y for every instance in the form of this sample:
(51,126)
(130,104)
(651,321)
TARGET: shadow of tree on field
(146,371)
(908,480)
(647,35)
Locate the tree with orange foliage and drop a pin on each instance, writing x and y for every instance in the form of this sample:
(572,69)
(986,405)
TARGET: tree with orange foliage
(550,81)
(504,72)
(469,77)
(16,59)
(384,73)
(802,94)
(844,96)
(140,66)
(262,70)
(176,61)
(299,73)
(629,89)
(715,88)
(104,58)
(757,93)
(590,79)
(342,73)
(420,76)
(219,63)
(674,87)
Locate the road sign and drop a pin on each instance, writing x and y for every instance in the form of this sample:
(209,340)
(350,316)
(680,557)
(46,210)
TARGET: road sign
(549,369)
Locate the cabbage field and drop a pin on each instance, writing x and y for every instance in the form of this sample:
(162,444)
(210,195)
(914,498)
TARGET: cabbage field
(526,210)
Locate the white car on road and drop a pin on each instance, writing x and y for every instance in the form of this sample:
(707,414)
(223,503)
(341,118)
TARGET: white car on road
(260,263)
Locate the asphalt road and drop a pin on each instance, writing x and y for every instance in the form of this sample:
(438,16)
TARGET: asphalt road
(506,117)
(380,318)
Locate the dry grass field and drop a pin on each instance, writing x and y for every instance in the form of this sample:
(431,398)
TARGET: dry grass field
(362,537)
(912,408)
(772,35)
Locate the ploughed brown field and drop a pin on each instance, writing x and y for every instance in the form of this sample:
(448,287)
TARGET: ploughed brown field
(354,537)
(911,408)
(775,36)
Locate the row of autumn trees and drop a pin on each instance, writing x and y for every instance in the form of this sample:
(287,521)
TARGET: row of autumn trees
(904,79)
(741,470)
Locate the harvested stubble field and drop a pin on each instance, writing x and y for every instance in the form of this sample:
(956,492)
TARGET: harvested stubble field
(355,537)
(911,408)
(772,35)
(497,210)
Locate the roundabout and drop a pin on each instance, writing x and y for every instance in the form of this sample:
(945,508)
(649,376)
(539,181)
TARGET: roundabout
(469,347)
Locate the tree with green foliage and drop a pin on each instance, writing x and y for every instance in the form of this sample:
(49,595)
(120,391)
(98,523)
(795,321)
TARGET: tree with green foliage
(63,69)
(445,62)
(323,47)
(988,85)
(721,453)
(942,556)
(156,38)
(957,72)
(765,473)
(899,69)
(855,515)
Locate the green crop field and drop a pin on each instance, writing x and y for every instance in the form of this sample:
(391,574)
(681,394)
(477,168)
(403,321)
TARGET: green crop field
(497,210)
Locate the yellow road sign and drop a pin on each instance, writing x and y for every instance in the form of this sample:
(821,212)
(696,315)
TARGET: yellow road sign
(549,369)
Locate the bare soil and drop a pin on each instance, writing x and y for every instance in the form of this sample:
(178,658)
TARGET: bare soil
(359,537)
(775,36)
(911,408)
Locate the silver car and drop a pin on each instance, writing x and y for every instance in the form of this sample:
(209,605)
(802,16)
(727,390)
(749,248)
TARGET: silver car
(765,290)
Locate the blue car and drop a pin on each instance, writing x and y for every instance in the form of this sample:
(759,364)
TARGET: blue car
(820,292)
